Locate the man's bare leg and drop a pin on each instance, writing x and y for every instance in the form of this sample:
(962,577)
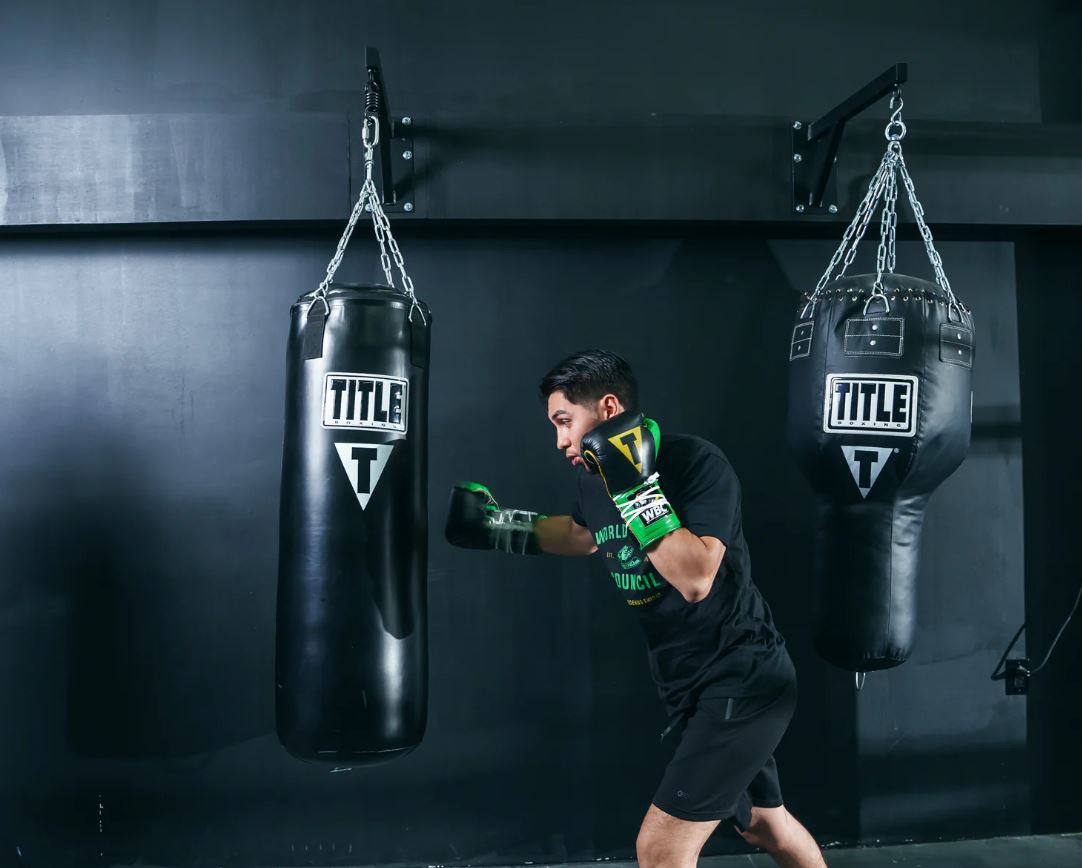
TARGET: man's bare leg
(666,841)
(780,834)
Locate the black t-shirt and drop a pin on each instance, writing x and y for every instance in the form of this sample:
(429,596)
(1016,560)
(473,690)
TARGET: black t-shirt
(724,645)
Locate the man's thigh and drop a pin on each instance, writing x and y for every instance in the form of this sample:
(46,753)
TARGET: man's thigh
(665,838)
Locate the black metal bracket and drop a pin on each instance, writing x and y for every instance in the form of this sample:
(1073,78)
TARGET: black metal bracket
(1017,676)
(815,145)
(394,151)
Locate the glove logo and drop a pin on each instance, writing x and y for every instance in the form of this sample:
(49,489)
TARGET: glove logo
(870,403)
(866,463)
(364,464)
(630,445)
(654,513)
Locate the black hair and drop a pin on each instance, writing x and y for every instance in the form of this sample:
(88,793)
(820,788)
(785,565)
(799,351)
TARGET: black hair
(589,376)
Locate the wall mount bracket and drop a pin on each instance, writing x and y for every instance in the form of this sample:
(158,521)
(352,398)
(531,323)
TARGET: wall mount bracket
(815,144)
(394,152)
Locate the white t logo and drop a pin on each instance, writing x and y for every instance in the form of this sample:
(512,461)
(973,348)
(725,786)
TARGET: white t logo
(866,463)
(364,464)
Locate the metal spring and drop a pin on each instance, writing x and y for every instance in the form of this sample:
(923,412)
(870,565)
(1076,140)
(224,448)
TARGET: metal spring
(373,98)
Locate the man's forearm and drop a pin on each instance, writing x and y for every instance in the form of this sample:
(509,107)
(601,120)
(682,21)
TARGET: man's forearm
(686,562)
(560,535)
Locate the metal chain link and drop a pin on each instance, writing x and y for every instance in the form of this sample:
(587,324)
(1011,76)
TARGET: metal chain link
(373,197)
(880,184)
(855,230)
(886,253)
(369,200)
(884,183)
(926,235)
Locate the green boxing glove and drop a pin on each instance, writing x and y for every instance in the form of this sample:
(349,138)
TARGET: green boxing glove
(475,521)
(623,450)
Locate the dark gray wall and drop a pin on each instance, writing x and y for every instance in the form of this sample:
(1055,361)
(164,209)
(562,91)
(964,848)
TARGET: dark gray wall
(141,378)
(696,57)
(144,390)
(1051,356)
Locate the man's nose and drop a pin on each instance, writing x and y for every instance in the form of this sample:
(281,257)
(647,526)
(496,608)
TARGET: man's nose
(562,441)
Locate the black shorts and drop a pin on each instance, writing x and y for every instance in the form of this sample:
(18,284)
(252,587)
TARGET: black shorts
(724,761)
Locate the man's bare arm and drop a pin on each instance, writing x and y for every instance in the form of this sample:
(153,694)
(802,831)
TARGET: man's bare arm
(562,535)
(688,562)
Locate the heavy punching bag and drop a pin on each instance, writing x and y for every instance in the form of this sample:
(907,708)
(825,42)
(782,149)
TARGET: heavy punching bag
(352,659)
(880,407)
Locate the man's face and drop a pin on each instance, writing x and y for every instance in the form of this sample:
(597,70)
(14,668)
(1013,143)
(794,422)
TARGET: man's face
(572,421)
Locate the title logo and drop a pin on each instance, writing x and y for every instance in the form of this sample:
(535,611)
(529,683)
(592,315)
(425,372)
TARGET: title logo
(364,464)
(866,463)
(871,404)
(365,401)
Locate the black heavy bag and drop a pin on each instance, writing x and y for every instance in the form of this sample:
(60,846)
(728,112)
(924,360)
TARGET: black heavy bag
(352,663)
(880,408)
(879,415)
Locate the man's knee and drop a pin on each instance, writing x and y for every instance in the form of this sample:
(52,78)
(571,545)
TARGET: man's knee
(650,851)
(767,829)
(657,851)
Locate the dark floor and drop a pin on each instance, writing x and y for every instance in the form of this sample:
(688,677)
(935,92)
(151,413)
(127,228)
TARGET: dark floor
(1037,851)
(1042,851)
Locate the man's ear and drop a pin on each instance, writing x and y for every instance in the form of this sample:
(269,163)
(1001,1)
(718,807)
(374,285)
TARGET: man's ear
(610,406)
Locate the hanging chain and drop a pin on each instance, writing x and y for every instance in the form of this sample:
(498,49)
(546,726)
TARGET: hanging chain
(884,184)
(369,200)
(853,233)
(875,192)
(929,245)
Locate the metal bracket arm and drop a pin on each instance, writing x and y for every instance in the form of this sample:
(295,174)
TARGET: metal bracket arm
(815,145)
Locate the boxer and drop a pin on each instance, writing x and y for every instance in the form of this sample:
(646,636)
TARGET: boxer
(664,513)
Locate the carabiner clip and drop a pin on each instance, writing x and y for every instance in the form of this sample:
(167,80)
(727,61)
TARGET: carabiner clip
(370,140)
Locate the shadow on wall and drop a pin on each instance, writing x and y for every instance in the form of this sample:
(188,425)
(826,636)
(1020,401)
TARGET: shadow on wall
(92,542)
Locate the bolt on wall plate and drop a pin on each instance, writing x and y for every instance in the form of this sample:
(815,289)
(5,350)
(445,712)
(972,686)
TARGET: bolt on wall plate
(804,174)
(403,160)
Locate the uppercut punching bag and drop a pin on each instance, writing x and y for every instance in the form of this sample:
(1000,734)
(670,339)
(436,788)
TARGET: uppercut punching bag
(880,409)
(352,662)
(880,405)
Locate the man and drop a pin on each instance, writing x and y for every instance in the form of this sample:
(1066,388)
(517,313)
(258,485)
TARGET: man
(664,511)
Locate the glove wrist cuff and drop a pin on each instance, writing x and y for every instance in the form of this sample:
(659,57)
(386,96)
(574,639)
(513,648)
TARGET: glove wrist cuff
(512,531)
(647,512)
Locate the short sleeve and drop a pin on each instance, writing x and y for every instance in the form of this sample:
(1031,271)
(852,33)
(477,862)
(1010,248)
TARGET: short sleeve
(704,491)
(576,510)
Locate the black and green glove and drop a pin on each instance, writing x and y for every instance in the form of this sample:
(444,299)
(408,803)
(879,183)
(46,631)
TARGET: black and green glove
(475,521)
(624,450)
